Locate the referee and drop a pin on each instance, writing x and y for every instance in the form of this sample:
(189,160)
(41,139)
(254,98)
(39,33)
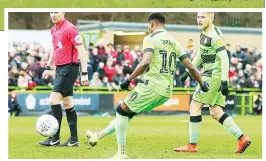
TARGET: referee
(67,49)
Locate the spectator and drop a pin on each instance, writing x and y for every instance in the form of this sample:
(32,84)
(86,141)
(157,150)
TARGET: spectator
(128,57)
(112,52)
(109,70)
(101,48)
(119,77)
(95,81)
(120,56)
(13,106)
(232,72)
(190,47)
(251,56)
(23,79)
(177,82)
(135,52)
(227,46)
(239,54)
(137,61)
(101,71)
(248,71)
(258,105)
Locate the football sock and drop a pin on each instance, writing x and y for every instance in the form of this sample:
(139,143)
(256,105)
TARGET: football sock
(109,129)
(72,122)
(230,125)
(58,114)
(194,127)
(121,125)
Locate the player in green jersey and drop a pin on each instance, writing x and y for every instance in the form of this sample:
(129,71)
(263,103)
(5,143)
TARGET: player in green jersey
(161,52)
(213,56)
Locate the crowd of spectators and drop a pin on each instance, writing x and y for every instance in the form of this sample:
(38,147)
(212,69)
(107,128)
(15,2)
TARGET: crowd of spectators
(109,65)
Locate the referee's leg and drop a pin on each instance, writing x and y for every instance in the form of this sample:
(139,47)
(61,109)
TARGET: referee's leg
(55,99)
(71,119)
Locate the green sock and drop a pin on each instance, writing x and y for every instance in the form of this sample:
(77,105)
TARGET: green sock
(230,125)
(194,127)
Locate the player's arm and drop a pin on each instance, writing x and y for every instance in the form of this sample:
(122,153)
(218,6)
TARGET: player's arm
(148,49)
(219,46)
(195,62)
(76,40)
(191,68)
(142,66)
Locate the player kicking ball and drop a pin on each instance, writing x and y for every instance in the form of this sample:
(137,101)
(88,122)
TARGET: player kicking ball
(161,52)
(213,56)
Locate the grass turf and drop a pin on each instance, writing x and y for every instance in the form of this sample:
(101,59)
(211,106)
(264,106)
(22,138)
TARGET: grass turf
(149,137)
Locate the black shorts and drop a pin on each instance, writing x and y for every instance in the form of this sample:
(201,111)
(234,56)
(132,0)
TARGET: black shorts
(65,77)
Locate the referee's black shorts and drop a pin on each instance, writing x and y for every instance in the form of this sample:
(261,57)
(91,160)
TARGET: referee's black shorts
(65,77)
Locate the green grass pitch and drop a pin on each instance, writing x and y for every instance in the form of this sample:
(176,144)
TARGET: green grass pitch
(149,137)
(126,4)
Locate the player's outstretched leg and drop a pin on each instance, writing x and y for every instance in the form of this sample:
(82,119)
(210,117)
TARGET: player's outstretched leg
(57,112)
(95,137)
(71,115)
(194,128)
(229,124)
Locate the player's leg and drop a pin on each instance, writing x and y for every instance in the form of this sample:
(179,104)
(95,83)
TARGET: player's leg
(121,125)
(55,99)
(94,137)
(194,128)
(142,98)
(229,124)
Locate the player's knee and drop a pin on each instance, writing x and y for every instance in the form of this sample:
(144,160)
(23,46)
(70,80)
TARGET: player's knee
(194,110)
(215,115)
(124,112)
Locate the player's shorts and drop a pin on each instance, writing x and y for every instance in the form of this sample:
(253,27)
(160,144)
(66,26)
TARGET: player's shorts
(65,77)
(143,99)
(213,96)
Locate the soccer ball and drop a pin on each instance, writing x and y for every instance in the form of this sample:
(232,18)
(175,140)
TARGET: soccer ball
(47,125)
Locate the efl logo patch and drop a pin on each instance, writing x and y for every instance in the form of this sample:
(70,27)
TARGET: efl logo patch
(78,39)
(147,44)
(219,43)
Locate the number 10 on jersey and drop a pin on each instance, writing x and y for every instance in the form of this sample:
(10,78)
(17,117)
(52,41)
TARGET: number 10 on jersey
(168,62)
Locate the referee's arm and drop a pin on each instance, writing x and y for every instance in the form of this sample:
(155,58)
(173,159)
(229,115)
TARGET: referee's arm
(83,55)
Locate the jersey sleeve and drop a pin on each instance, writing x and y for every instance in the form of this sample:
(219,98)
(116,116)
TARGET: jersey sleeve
(73,36)
(148,45)
(180,52)
(218,43)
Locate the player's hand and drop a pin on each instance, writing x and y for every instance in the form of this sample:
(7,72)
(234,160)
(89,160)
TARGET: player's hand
(125,84)
(224,88)
(84,80)
(184,76)
(46,74)
(205,87)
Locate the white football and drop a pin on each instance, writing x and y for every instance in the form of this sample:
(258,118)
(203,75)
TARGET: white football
(47,125)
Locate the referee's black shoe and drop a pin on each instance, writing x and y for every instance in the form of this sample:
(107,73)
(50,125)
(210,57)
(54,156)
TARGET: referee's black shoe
(51,141)
(71,143)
